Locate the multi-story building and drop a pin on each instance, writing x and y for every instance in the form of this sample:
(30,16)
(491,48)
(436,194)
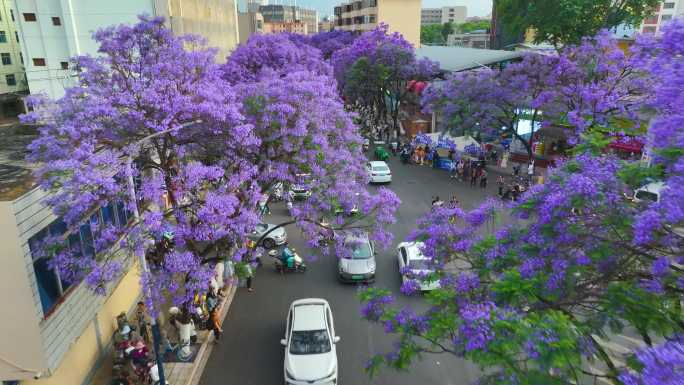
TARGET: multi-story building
(53,31)
(475,39)
(326,25)
(274,13)
(453,14)
(13,85)
(290,26)
(54,332)
(667,10)
(253,5)
(401,16)
(249,24)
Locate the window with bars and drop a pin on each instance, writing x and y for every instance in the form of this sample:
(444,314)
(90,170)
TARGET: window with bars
(6,58)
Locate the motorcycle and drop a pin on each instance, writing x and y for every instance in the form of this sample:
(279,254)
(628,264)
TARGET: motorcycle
(287,260)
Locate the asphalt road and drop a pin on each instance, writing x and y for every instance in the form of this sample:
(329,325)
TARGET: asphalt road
(250,353)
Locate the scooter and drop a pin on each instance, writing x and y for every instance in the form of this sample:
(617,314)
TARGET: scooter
(280,263)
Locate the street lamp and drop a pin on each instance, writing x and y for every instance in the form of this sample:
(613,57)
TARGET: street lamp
(156,333)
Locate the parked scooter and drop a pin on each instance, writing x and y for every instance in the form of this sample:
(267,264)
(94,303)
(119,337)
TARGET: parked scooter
(287,260)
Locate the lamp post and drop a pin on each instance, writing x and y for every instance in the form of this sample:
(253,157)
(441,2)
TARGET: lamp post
(156,332)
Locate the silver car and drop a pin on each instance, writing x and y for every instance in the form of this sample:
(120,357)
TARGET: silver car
(359,265)
(273,239)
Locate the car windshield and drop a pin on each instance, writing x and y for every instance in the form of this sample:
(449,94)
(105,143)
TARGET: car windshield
(646,196)
(309,342)
(261,227)
(380,168)
(419,264)
(359,250)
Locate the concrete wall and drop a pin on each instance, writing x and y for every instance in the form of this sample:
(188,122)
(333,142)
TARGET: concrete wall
(78,364)
(18,325)
(402,16)
(64,349)
(215,20)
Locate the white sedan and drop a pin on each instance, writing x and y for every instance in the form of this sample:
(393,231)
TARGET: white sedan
(310,354)
(412,264)
(379,172)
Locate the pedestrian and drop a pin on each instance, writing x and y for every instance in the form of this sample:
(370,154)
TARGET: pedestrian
(452,169)
(530,171)
(142,320)
(483,179)
(501,182)
(516,170)
(121,377)
(516,192)
(460,170)
(250,275)
(394,145)
(473,177)
(215,323)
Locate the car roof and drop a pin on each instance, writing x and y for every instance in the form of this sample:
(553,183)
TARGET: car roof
(309,315)
(378,163)
(413,250)
(353,237)
(655,187)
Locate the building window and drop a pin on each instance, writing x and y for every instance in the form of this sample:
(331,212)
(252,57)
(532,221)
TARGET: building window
(12,14)
(665,17)
(21,57)
(668,5)
(3,37)
(56,21)
(16,34)
(29,17)
(6,58)
(65,65)
(39,62)
(11,80)
(51,287)
(649,30)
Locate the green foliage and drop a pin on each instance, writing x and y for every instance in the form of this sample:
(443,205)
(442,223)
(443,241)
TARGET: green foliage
(636,174)
(471,26)
(567,21)
(431,34)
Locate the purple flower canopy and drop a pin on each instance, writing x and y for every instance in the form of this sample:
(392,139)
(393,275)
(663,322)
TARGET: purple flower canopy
(206,141)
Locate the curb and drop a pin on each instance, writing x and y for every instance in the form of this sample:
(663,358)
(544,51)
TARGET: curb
(206,348)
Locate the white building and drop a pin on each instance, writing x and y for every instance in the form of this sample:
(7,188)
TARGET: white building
(667,10)
(53,31)
(453,14)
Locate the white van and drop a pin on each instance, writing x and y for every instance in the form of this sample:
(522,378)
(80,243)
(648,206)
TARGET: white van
(649,193)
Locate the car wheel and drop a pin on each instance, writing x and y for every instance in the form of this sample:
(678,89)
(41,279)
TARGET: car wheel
(269,243)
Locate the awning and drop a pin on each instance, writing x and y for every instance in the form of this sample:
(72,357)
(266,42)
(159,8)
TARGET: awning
(629,145)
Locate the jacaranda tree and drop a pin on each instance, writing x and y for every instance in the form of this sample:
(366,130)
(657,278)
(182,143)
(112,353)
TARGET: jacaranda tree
(537,301)
(202,143)
(373,72)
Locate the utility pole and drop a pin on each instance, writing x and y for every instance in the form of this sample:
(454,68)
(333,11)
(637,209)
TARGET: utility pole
(156,332)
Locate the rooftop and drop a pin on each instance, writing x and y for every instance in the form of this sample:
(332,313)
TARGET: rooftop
(16,174)
(454,59)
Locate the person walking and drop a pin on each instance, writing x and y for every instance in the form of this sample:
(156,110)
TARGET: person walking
(483,179)
(452,169)
(530,171)
(215,323)
(143,321)
(473,177)
(249,276)
(460,170)
(501,182)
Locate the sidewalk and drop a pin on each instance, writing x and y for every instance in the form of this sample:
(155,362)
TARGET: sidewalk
(177,373)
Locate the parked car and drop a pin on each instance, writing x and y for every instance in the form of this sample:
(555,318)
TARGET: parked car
(359,265)
(273,239)
(413,265)
(379,172)
(649,193)
(310,354)
(301,189)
